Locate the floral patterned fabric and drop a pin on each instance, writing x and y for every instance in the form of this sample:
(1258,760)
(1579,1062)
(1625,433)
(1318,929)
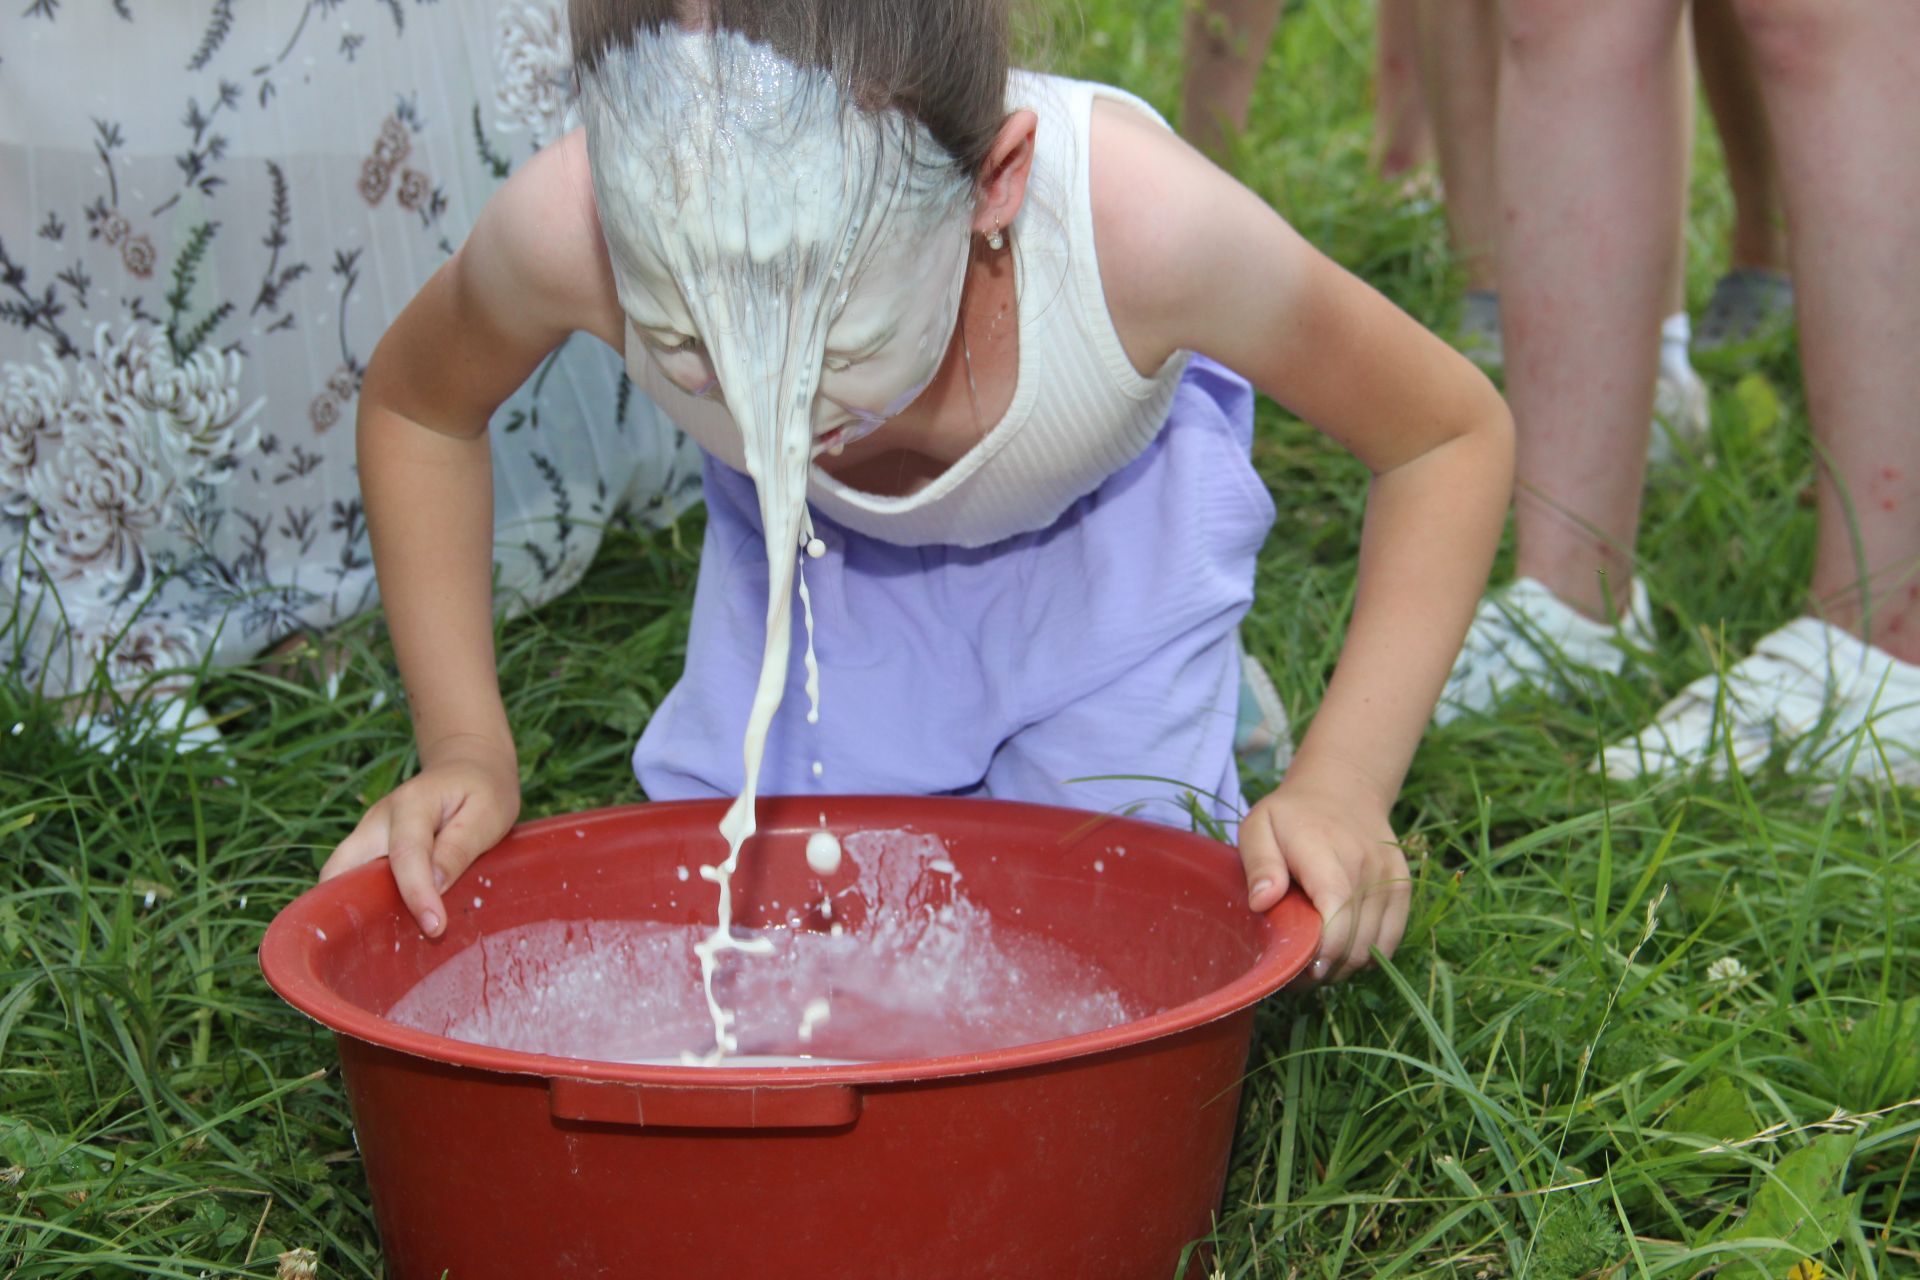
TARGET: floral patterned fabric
(208,215)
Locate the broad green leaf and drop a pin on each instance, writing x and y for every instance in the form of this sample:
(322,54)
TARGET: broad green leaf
(1801,1203)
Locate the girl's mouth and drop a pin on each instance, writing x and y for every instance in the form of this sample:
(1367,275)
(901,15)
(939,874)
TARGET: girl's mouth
(843,435)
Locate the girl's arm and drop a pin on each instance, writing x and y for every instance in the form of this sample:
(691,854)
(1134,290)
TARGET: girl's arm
(1191,259)
(532,272)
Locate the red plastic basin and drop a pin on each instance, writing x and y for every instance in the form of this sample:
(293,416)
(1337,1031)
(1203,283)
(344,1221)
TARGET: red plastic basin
(1100,1155)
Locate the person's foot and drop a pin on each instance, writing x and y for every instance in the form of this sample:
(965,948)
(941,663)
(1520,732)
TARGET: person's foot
(1478,336)
(1808,690)
(1680,412)
(1524,637)
(1749,310)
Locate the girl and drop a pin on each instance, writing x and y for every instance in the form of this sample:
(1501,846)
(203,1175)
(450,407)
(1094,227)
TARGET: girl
(988,324)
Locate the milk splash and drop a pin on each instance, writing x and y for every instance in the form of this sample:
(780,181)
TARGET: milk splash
(753,190)
(896,963)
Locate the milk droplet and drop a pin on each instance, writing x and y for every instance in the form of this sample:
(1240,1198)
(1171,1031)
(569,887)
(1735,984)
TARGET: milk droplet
(816,547)
(150,897)
(681,872)
(476,904)
(817,769)
(321,932)
(823,853)
(813,1015)
(1099,865)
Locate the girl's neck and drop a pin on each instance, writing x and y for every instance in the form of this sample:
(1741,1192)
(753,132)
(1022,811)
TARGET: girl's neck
(969,394)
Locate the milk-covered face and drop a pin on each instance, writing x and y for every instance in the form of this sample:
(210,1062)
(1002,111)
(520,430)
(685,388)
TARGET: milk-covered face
(888,331)
(764,232)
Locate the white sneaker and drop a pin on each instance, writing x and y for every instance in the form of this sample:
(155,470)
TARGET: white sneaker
(1478,336)
(1262,738)
(1809,690)
(1522,636)
(1680,409)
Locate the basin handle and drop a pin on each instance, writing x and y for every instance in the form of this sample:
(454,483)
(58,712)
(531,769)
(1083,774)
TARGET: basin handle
(805,1106)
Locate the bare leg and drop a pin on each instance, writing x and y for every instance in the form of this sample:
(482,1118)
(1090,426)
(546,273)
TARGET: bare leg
(1402,139)
(1226,43)
(1460,73)
(1592,183)
(1733,92)
(1842,87)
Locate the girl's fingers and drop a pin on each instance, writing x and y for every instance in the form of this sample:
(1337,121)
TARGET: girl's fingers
(363,844)
(410,851)
(475,828)
(1327,882)
(1370,908)
(1393,925)
(1264,863)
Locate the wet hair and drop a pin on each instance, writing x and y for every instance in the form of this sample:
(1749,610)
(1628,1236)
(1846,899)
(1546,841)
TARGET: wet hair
(942,63)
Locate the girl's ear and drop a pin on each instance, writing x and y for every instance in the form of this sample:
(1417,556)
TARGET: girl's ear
(1002,186)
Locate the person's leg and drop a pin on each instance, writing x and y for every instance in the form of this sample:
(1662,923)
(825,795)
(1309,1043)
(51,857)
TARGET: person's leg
(1592,167)
(1402,137)
(1732,85)
(1460,75)
(1841,89)
(1680,401)
(1752,302)
(1226,43)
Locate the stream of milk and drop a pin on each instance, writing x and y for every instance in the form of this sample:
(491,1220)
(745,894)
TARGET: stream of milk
(742,198)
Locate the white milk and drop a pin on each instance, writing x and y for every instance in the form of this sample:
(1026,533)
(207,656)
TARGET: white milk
(919,971)
(741,198)
(823,853)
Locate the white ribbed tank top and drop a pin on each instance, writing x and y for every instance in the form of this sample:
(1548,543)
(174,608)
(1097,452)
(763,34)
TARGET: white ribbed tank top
(1080,410)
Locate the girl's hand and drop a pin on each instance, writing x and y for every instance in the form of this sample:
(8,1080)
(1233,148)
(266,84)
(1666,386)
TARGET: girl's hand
(1335,842)
(433,826)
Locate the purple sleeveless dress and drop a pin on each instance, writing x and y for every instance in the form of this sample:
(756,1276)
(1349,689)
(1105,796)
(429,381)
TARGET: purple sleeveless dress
(1034,669)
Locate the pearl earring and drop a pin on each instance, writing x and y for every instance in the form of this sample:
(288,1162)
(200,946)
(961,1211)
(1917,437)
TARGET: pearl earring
(996,241)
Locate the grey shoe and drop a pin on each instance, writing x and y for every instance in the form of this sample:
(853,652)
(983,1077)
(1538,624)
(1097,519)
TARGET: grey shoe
(1750,309)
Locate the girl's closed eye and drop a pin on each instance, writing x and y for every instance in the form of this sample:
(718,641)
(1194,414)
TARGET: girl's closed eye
(670,343)
(847,357)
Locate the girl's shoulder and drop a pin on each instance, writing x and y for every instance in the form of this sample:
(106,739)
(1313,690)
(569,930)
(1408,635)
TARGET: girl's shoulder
(539,242)
(1176,236)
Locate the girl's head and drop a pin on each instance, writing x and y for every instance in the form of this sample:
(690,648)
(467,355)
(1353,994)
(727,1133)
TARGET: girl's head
(788,189)
(942,63)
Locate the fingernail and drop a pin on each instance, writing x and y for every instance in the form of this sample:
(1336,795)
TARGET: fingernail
(439,880)
(430,923)
(1259,887)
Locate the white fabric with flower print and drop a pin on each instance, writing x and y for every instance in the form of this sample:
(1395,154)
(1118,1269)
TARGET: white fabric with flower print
(208,216)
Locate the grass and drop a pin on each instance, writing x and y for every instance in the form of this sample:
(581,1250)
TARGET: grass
(1631,1032)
